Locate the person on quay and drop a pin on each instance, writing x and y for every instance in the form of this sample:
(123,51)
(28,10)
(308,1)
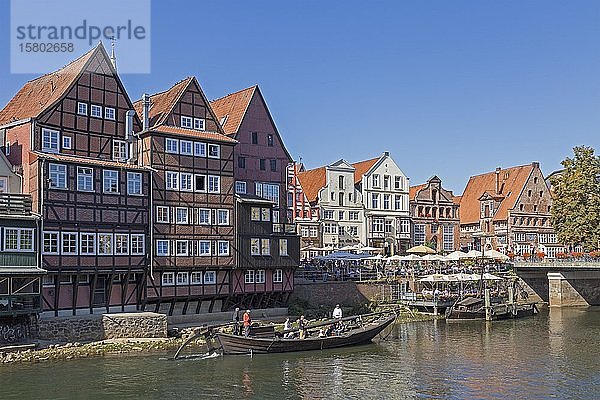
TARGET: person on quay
(235,319)
(247,323)
(302,327)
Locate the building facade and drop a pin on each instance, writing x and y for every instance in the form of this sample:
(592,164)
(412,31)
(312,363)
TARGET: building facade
(192,220)
(70,134)
(435,216)
(509,210)
(384,190)
(260,156)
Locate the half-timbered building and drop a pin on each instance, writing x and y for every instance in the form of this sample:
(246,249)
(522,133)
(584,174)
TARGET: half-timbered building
(261,157)
(71,135)
(267,255)
(192,200)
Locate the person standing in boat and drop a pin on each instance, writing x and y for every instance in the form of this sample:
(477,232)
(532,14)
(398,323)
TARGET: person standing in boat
(337,312)
(302,327)
(286,327)
(247,323)
(236,321)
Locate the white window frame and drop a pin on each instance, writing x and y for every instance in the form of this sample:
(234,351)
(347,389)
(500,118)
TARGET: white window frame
(50,140)
(278,276)
(241,187)
(186,183)
(167,279)
(181,215)
(120,150)
(159,243)
(186,122)
(85,175)
(82,108)
(182,278)
(93,241)
(196,278)
(172,180)
(63,241)
(204,252)
(200,149)
(223,251)
(172,146)
(186,147)
(185,244)
(260,276)
(95,111)
(106,176)
(199,124)
(255,246)
(121,252)
(109,113)
(213,184)
(110,250)
(283,247)
(162,214)
(53,240)
(217,153)
(265,250)
(135,240)
(221,212)
(58,174)
(67,142)
(134,181)
(249,276)
(210,277)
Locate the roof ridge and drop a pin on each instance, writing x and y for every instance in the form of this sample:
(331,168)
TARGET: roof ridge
(66,65)
(170,88)
(502,169)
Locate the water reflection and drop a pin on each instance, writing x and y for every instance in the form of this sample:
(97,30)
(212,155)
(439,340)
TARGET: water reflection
(554,355)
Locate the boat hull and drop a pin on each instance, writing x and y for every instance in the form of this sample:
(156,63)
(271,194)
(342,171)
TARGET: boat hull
(232,344)
(499,313)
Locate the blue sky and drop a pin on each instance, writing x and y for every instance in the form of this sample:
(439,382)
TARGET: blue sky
(452,88)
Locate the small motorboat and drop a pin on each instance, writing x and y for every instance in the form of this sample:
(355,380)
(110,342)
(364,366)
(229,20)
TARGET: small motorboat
(358,329)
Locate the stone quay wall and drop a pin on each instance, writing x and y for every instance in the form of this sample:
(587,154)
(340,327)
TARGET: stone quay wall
(346,293)
(102,326)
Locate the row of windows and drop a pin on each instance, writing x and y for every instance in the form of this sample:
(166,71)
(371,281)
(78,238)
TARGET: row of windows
(51,140)
(101,244)
(262,164)
(258,276)
(198,124)
(18,239)
(194,216)
(262,247)
(260,214)
(96,111)
(187,182)
(185,278)
(49,280)
(190,148)
(254,138)
(376,182)
(352,215)
(400,202)
(309,231)
(57,174)
(192,248)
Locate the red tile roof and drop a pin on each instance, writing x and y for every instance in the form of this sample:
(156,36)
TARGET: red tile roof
(456,199)
(85,160)
(233,107)
(362,167)
(414,189)
(162,103)
(39,94)
(511,180)
(193,133)
(312,181)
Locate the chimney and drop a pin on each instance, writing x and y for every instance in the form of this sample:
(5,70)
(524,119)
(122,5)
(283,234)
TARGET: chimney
(145,111)
(386,153)
(498,180)
(535,164)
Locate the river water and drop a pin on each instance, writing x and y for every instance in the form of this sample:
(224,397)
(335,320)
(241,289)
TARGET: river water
(553,355)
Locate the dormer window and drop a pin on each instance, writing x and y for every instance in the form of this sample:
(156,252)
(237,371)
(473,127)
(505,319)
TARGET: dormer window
(82,108)
(199,124)
(186,122)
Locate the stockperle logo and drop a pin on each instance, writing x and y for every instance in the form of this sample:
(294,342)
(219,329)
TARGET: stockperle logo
(46,35)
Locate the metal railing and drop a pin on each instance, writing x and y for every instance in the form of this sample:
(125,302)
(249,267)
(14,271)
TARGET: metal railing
(308,276)
(586,262)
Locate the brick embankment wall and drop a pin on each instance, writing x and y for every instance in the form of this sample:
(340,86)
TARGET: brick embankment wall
(347,294)
(100,327)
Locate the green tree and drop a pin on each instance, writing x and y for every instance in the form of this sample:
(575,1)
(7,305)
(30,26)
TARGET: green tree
(576,199)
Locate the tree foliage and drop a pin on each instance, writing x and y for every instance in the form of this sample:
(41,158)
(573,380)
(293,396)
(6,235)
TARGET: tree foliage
(576,199)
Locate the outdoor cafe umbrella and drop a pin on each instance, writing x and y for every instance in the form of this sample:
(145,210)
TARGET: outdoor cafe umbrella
(421,250)
(490,277)
(462,277)
(435,278)
(496,255)
(474,254)
(457,255)
(412,257)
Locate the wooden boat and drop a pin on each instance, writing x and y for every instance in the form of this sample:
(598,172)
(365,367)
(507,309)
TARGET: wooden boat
(357,334)
(473,308)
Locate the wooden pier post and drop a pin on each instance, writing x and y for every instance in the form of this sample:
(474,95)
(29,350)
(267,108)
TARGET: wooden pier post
(488,305)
